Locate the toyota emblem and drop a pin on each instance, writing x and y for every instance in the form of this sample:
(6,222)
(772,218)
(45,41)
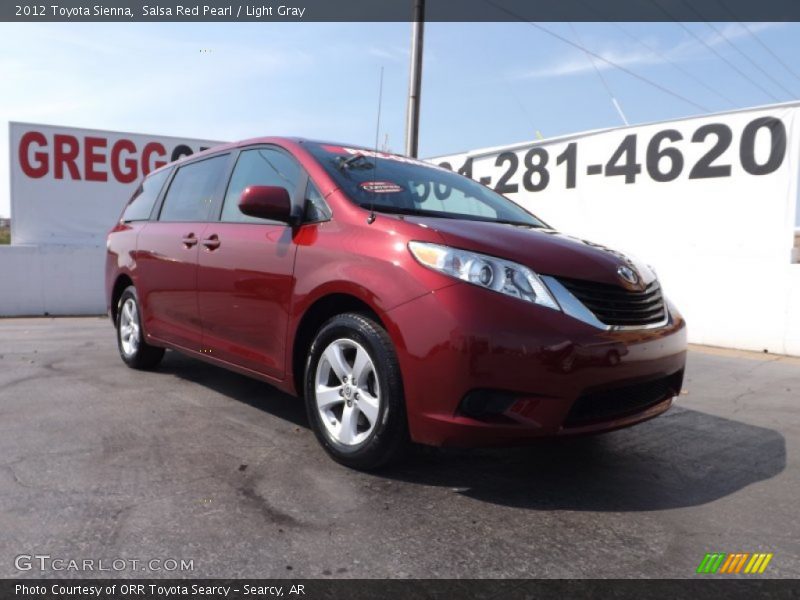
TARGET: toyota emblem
(627,274)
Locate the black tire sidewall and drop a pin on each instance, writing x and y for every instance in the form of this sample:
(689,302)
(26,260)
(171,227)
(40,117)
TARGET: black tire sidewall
(146,356)
(391,428)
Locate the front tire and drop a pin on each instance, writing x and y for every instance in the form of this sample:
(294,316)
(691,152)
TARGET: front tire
(134,350)
(354,393)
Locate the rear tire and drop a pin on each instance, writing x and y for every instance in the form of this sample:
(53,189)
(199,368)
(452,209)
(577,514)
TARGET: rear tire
(134,350)
(354,393)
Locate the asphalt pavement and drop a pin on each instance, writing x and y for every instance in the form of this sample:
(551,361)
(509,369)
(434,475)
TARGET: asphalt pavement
(196,464)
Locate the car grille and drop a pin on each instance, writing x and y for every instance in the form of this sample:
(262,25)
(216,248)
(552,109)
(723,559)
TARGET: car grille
(614,305)
(622,401)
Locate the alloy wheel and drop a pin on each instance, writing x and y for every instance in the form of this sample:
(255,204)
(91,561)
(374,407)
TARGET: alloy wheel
(347,392)
(129,329)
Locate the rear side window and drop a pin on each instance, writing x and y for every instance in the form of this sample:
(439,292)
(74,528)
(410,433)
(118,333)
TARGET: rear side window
(141,205)
(260,166)
(192,190)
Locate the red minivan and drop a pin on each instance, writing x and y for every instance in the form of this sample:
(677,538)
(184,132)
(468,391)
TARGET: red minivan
(402,301)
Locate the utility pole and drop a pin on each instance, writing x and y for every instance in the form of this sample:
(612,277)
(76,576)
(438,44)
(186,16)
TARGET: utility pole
(415,80)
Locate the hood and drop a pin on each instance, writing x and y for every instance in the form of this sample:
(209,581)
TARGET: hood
(546,251)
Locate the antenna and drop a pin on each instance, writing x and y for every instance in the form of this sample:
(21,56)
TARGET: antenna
(371,218)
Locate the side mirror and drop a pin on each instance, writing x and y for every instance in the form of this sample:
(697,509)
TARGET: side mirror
(266,202)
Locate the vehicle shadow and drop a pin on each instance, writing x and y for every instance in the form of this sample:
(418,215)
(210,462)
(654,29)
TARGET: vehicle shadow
(683,458)
(238,387)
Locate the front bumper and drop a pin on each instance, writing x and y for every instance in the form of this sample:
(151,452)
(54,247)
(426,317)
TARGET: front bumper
(545,373)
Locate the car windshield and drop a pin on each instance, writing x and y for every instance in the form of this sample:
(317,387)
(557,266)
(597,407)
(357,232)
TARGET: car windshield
(402,185)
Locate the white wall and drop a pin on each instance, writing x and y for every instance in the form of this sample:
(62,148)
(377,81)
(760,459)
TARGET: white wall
(68,185)
(51,280)
(61,209)
(792,330)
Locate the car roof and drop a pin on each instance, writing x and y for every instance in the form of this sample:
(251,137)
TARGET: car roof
(279,140)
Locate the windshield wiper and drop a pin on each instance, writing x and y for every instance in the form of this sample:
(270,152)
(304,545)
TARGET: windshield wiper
(414,212)
(418,212)
(510,222)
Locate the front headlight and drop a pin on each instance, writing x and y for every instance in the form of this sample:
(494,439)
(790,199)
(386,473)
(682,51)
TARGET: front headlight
(492,273)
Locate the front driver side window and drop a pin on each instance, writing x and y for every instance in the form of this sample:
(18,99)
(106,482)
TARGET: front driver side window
(260,166)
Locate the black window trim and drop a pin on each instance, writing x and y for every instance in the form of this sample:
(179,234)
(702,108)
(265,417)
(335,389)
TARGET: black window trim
(309,183)
(157,209)
(137,193)
(161,193)
(297,200)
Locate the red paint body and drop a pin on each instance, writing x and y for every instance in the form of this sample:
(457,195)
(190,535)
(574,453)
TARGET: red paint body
(236,293)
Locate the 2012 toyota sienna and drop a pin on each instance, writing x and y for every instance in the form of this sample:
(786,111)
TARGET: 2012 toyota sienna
(402,301)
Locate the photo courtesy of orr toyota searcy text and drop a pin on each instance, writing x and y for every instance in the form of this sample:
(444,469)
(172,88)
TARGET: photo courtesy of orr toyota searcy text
(161,591)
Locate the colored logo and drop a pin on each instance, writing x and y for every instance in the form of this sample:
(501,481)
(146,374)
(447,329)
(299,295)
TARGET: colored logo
(742,562)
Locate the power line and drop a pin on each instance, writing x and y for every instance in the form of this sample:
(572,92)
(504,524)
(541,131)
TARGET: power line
(660,54)
(675,65)
(760,42)
(713,51)
(600,76)
(511,91)
(741,53)
(599,57)
(769,50)
(751,61)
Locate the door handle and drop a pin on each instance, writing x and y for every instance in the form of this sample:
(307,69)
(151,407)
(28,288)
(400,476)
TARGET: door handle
(189,240)
(212,242)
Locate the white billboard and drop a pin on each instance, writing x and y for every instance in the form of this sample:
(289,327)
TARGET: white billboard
(68,185)
(710,201)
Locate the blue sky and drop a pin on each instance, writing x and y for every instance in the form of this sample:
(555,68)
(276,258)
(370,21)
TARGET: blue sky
(484,84)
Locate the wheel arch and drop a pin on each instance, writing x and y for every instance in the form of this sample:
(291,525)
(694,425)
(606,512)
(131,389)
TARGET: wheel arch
(122,282)
(317,313)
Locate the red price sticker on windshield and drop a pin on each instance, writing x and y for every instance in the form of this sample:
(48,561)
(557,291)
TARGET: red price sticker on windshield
(380,187)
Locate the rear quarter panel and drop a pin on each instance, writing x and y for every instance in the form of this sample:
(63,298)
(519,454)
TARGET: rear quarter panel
(120,256)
